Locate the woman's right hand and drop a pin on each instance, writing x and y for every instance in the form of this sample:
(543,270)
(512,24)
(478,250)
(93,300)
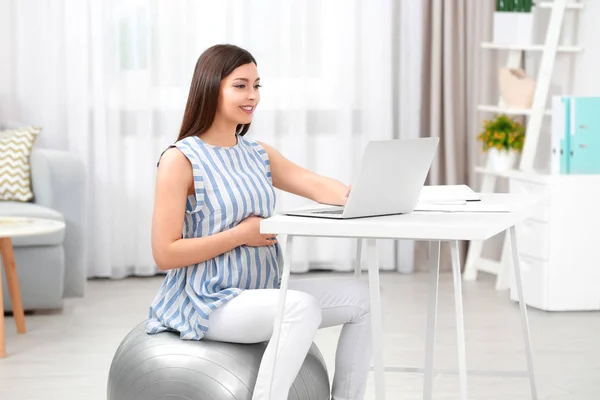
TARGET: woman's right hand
(249,231)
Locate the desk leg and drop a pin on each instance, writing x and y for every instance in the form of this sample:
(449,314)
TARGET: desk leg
(504,266)
(460,324)
(376,319)
(285,279)
(523,306)
(12,280)
(357,266)
(434,270)
(2,335)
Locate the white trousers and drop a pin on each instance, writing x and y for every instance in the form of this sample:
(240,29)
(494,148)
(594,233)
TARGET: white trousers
(310,304)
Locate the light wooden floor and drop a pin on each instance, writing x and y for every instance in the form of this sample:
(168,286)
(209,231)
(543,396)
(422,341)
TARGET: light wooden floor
(67,355)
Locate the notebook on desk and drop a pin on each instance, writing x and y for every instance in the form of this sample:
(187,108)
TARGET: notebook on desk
(481,205)
(448,194)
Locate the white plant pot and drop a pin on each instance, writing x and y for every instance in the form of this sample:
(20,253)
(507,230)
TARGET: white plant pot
(501,160)
(513,28)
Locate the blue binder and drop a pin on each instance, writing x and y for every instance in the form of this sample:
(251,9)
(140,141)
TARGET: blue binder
(561,123)
(584,138)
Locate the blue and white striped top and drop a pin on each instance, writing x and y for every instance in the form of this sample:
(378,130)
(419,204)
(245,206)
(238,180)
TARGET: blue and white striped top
(231,184)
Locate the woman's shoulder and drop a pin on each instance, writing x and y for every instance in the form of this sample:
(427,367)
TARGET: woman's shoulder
(173,158)
(192,148)
(185,143)
(265,150)
(254,144)
(180,153)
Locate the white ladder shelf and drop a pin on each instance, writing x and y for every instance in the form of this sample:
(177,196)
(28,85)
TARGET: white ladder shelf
(475,262)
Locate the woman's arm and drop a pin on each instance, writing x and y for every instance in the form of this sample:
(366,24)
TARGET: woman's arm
(173,184)
(292,178)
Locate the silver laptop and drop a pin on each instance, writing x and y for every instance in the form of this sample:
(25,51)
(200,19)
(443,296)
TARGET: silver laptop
(391,176)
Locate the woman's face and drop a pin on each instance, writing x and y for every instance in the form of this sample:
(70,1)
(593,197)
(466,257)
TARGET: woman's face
(239,94)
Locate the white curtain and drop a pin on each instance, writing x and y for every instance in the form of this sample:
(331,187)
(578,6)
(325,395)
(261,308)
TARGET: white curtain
(457,75)
(109,79)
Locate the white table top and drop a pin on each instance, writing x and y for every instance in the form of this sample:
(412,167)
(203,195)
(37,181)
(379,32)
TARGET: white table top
(25,226)
(422,225)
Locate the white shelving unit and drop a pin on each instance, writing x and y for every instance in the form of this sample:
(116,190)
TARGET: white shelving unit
(508,111)
(570,6)
(534,47)
(559,267)
(536,116)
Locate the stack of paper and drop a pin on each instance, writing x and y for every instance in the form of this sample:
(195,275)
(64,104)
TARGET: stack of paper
(459,198)
(447,194)
(456,198)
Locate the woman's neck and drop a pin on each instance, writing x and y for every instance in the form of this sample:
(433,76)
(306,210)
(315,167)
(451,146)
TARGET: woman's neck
(220,134)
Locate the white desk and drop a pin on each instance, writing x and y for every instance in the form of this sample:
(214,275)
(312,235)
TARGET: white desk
(434,227)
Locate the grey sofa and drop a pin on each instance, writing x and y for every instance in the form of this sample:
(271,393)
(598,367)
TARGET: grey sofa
(51,267)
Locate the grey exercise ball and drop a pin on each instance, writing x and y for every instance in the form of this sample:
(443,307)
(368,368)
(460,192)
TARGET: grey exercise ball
(163,366)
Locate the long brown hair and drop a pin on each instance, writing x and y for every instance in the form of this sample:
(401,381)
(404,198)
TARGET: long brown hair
(212,66)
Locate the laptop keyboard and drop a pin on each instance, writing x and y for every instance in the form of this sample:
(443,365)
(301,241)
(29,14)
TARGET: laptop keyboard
(329,212)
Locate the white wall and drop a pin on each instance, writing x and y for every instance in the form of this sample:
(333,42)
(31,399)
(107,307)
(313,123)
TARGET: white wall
(5,49)
(576,74)
(586,71)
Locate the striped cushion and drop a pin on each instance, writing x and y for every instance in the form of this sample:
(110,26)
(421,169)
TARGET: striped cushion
(15,147)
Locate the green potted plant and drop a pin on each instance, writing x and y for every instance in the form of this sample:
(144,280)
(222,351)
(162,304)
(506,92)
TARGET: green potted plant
(502,138)
(514,5)
(513,22)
